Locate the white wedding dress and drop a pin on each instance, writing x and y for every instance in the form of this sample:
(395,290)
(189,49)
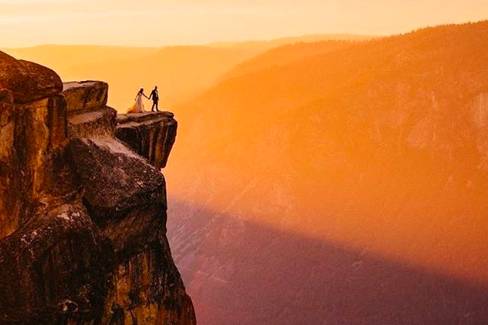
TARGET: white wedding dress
(138,105)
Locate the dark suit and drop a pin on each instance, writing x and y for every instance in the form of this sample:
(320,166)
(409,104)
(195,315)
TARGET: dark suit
(155,98)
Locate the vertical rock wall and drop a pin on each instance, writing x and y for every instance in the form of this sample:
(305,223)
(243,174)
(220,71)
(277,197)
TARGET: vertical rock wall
(9,202)
(82,216)
(152,135)
(33,132)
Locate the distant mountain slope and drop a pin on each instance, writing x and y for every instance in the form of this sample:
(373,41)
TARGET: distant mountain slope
(240,272)
(380,148)
(286,54)
(180,71)
(274,43)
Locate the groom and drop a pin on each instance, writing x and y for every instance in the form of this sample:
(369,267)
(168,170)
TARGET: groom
(155,98)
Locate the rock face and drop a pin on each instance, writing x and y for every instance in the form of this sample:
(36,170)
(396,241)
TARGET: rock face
(85,95)
(151,135)
(82,216)
(27,81)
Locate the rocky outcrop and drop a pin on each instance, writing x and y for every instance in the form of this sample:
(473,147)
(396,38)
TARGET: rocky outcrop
(85,95)
(115,179)
(54,269)
(82,216)
(32,136)
(27,81)
(151,135)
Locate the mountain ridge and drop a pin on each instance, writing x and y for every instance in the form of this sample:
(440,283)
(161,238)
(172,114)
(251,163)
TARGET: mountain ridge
(180,71)
(380,147)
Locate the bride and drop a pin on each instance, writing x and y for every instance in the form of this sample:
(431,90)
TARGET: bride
(138,106)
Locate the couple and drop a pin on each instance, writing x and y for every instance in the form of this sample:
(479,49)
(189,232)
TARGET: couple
(139,104)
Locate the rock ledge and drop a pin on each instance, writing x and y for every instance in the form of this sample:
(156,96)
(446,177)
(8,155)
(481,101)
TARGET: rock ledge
(82,213)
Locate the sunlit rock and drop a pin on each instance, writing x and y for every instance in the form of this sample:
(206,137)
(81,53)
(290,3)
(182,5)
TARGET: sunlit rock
(85,95)
(27,81)
(82,216)
(151,135)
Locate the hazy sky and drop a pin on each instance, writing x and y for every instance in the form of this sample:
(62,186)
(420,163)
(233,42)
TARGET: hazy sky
(153,22)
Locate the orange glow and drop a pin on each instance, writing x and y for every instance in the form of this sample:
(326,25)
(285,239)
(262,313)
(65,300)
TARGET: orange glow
(378,145)
(162,22)
(331,161)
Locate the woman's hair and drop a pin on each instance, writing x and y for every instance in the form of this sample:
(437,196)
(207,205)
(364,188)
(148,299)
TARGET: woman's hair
(141,90)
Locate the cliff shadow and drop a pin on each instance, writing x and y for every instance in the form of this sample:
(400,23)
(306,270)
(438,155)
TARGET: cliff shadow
(239,272)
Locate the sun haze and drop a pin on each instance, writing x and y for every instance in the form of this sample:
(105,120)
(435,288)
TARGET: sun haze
(321,172)
(153,22)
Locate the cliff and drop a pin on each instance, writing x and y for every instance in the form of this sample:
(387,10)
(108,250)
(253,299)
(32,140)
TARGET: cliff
(82,214)
(152,135)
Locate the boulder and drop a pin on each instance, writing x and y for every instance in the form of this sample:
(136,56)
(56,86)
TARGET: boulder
(115,179)
(92,123)
(88,115)
(85,95)
(26,80)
